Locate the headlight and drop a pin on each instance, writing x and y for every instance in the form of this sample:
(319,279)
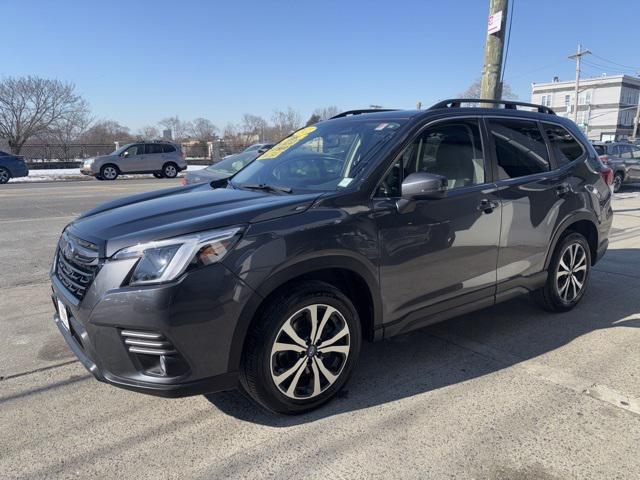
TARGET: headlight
(88,163)
(165,260)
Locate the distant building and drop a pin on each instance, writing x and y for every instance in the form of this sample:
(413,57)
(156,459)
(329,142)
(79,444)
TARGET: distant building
(606,105)
(166,134)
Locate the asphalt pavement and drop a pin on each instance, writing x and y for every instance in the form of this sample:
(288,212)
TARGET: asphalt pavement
(510,392)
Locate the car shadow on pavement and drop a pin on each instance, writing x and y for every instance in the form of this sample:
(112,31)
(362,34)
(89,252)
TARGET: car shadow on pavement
(427,359)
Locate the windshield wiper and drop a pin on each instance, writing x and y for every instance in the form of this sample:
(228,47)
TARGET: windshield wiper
(265,187)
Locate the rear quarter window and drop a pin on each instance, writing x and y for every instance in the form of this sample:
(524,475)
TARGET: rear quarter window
(563,144)
(168,148)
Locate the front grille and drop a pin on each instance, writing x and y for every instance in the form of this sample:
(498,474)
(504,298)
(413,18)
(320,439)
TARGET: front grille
(76,264)
(147,343)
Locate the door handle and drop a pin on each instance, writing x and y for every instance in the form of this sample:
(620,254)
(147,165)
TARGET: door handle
(488,206)
(562,190)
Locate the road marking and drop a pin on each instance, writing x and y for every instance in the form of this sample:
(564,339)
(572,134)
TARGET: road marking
(551,374)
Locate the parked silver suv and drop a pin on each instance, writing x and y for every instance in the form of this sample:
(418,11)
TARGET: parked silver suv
(162,159)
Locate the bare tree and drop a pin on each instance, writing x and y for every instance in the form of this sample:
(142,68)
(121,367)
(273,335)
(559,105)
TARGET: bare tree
(149,132)
(254,126)
(473,91)
(31,105)
(106,132)
(179,129)
(203,130)
(326,113)
(67,131)
(284,123)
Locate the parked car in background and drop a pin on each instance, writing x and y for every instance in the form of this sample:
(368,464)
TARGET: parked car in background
(162,159)
(624,160)
(221,170)
(272,283)
(11,166)
(262,147)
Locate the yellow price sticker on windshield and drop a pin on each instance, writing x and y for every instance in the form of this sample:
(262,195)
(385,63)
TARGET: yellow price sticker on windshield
(287,143)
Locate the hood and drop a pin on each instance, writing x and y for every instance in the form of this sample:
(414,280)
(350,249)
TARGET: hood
(180,211)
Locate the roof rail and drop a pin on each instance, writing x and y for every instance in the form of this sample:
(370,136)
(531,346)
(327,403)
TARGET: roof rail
(508,104)
(365,110)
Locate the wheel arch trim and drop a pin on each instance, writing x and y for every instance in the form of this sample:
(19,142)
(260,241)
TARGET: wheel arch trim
(291,272)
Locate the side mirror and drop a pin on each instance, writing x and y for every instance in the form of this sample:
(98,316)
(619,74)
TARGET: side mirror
(421,185)
(125,154)
(424,185)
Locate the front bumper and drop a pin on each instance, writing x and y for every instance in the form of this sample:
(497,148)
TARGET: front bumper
(198,314)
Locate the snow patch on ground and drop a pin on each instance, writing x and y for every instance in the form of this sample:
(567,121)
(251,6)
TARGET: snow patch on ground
(62,174)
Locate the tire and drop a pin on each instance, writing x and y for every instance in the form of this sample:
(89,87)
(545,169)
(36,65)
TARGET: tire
(109,172)
(558,294)
(158,174)
(618,178)
(5,175)
(170,170)
(310,373)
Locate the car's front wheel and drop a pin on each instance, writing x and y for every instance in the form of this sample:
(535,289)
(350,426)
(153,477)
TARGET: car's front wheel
(109,172)
(5,175)
(302,349)
(568,274)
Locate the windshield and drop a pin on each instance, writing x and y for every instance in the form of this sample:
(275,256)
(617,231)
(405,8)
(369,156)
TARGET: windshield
(233,163)
(322,157)
(118,151)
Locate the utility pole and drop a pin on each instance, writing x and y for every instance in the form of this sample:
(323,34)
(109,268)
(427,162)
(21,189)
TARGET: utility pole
(578,57)
(491,87)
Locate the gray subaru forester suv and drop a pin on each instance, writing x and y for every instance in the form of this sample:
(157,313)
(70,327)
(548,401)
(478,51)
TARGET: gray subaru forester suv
(365,226)
(162,159)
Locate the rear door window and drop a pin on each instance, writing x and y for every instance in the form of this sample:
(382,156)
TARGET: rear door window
(565,147)
(154,148)
(520,148)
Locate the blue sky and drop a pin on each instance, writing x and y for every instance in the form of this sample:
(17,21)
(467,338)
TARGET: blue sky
(139,61)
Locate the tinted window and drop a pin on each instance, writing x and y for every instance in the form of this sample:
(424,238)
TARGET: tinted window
(520,148)
(452,149)
(565,148)
(154,148)
(168,148)
(628,151)
(600,149)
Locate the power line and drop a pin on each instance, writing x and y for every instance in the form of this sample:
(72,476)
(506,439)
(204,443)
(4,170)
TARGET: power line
(615,63)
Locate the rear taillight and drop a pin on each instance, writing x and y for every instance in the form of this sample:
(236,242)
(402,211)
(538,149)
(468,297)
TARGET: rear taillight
(607,175)
(182,154)
(604,158)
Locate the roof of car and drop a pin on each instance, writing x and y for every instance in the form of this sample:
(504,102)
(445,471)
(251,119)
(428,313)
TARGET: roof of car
(454,107)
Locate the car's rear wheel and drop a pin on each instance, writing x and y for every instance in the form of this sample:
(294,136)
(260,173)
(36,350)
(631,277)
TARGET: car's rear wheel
(170,170)
(618,178)
(302,349)
(5,175)
(568,275)
(109,172)
(158,174)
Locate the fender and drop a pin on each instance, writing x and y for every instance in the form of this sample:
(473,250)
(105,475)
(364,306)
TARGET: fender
(291,271)
(562,227)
